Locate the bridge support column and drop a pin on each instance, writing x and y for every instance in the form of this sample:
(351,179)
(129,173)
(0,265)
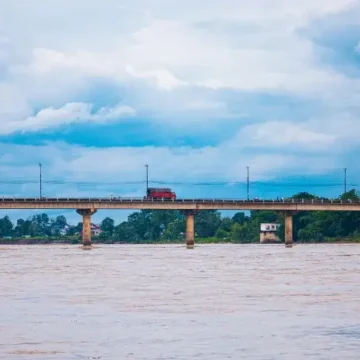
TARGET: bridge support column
(190,228)
(288,229)
(86,231)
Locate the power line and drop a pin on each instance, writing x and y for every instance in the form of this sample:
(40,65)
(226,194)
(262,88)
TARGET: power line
(175,183)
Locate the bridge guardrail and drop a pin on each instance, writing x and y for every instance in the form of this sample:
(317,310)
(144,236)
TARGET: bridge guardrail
(203,200)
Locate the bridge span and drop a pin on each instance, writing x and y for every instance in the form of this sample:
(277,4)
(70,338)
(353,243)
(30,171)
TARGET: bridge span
(88,206)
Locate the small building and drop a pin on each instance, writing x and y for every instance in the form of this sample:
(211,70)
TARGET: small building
(268,233)
(95,230)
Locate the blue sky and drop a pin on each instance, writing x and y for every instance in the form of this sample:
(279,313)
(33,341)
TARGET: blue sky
(197,90)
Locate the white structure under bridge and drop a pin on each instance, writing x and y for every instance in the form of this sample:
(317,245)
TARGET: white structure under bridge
(268,233)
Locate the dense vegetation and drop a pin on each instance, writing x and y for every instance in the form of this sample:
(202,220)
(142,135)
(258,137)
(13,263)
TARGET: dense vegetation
(149,226)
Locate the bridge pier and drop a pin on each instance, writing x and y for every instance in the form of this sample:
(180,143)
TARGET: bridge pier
(190,228)
(288,229)
(86,231)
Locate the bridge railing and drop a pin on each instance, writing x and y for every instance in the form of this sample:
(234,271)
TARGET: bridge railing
(194,200)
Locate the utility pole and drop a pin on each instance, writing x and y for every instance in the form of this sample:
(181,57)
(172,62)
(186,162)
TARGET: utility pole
(147,177)
(40,181)
(345,182)
(248,183)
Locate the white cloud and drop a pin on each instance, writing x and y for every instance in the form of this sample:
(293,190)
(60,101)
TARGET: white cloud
(226,162)
(230,44)
(4,40)
(182,48)
(283,134)
(200,57)
(164,78)
(45,61)
(13,103)
(69,113)
(335,135)
(206,105)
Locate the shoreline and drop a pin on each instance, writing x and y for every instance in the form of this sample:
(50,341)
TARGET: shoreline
(36,241)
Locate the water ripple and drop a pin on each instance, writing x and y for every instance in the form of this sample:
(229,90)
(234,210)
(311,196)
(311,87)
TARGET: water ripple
(164,302)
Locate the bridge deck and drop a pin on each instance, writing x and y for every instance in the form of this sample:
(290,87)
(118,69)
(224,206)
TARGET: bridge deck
(179,204)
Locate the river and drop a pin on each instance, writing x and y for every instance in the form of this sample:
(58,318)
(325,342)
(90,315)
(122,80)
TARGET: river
(166,302)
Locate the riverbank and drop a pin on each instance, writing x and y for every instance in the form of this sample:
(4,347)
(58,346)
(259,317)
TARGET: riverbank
(77,240)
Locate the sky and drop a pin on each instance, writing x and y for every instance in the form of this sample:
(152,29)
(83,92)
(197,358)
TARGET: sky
(198,90)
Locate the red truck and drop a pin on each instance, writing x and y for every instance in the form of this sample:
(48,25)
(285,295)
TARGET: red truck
(159,194)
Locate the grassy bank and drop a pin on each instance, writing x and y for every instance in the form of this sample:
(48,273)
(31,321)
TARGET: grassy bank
(41,240)
(96,240)
(210,240)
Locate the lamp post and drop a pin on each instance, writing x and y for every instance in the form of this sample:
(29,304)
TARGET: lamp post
(147,177)
(248,182)
(345,180)
(40,168)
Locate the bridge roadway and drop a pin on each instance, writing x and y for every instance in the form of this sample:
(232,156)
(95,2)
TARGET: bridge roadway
(179,204)
(86,207)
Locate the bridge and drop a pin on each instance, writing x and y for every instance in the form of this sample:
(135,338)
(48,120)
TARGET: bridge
(189,207)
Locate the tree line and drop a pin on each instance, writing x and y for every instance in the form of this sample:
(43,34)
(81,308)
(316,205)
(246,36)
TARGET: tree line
(36,226)
(147,226)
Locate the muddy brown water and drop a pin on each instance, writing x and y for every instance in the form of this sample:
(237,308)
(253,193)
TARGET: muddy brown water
(165,302)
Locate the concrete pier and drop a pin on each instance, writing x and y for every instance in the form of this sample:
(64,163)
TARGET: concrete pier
(86,232)
(190,228)
(288,229)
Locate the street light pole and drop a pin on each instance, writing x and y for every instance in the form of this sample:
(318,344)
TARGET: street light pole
(345,181)
(40,180)
(248,182)
(147,177)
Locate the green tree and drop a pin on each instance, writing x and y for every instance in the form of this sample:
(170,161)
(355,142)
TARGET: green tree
(240,218)
(75,229)
(350,195)
(34,229)
(241,233)
(304,195)
(61,221)
(222,234)
(107,226)
(57,225)
(22,228)
(207,222)
(175,230)
(40,224)
(6,227)
(226,224)
(140,223)
(125,233)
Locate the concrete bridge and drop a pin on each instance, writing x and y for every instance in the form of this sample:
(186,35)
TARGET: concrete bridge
(88,206)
